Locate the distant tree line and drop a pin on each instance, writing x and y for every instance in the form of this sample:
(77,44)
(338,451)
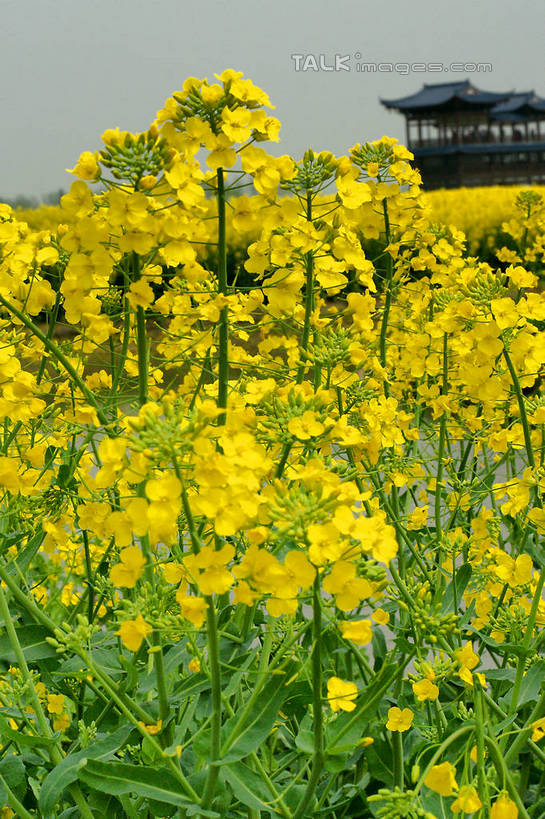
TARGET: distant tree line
(25,202)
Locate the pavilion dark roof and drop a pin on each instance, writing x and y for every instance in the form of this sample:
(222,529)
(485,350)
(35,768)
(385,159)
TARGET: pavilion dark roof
(446,95)
(518,107)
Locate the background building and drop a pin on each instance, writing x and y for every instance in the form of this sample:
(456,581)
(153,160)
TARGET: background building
(462,136)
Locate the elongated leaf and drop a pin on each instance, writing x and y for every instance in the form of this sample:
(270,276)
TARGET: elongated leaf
(12,772)
(66,771)
(258,723)
(304,740)
(379,762)
(26,555)
(247,786)
(119,778)
(531,683)
(32,639)
(463,575)
(12,769)
(19,738)
(501,674)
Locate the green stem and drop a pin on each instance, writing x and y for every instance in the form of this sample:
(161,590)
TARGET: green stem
(43,724)
(50,330)
(440,455)
(539,588)
(13,802)
(124,349)
(522,407)
(223,341)
(503,772)
(397,744)
(90,580)
(309,300)
(388,298)
(317,713)
(262,679)
(283,459)
(528,634)
(143,355)
(215,680)
(480,723)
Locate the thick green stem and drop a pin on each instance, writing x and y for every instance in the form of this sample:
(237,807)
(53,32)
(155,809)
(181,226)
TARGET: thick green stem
(14,803)
(50,330)
(143,372)
(480,723)
(539,587)
(388,297)
(317,712)
(440,456)
(43,724)
(262,679)
(309,300)
(503,773)
(215,680)
(522,407)
(143,355)
(119,365)
(397,744)
(223,341)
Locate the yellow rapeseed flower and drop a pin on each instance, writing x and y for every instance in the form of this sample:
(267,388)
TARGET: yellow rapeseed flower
(399,720)
(133,632)
(442,779)
(358,631)
(467,800)
(130,569)
(504,808)
(341,694)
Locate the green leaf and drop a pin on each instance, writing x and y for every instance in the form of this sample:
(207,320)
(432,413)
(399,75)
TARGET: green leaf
(351,735)
(500,674)
(66,771)
(119,778)
(304,740)
(379,648)
(531,683)
(107,659)
(12,769)
(32,639)
(258,723)
(247,786)
(379,762)
(19,738)
(12,772)
(463,575)
(25,557)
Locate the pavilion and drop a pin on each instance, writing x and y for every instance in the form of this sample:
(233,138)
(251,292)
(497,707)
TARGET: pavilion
(463,136)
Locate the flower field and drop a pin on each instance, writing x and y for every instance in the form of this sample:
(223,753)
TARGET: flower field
(272,474)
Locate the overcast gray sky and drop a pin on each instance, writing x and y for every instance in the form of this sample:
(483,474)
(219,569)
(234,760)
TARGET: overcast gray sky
(71,68)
